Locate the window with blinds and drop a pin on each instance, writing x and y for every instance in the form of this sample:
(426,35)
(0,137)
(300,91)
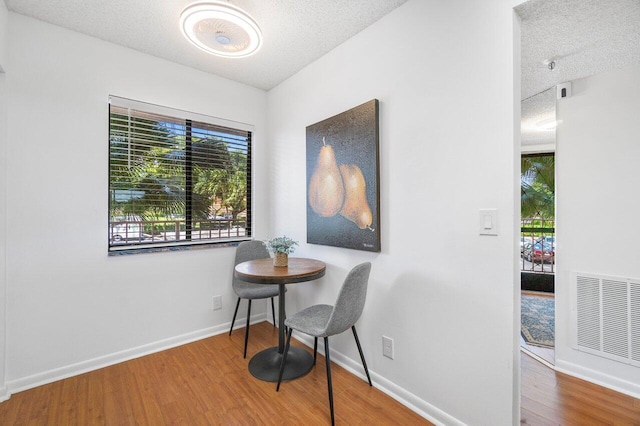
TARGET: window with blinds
(176,178)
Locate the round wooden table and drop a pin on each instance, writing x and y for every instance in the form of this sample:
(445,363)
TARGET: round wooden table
(265,365)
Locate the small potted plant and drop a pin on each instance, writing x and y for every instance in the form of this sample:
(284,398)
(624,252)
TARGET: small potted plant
(281,247)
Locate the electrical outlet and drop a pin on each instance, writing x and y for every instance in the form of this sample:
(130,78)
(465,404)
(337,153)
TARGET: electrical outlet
(217,303)
(387,347)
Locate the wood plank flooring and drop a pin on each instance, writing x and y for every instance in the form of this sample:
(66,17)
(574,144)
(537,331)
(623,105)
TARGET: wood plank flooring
(552,398)
(207,383)
(204,383)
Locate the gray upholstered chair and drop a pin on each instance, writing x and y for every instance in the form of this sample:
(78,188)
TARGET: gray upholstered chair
(251,250)
(325,320)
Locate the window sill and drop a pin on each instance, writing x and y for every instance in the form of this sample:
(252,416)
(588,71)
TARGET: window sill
(165,249)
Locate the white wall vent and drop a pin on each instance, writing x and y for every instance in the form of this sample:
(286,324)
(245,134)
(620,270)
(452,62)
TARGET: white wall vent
(607,317)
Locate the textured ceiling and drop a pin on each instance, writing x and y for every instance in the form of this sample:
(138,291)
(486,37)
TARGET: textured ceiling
(296,32)
(538,113)
(584,38)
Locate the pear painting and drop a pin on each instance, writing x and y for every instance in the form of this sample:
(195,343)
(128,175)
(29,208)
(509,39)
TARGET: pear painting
(355,207)
(326,189)
(343,189)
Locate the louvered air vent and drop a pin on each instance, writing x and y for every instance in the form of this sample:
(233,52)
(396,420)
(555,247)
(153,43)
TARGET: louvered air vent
(635,321)
(607,320)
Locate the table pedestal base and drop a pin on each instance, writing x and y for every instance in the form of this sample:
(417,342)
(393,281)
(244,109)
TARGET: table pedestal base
(265,365)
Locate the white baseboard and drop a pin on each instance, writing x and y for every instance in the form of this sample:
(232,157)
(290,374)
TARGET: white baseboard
(599,378)
(403,396)
(537,358)
(406,398)
(56,374)
(4,394)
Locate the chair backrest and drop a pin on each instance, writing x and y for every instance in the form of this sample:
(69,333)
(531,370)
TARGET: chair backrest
(249,250)
(351,298)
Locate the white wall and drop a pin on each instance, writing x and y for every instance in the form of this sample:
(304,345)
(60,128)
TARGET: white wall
(4,34)
(597,158)
(444,75)
(445,82)
(71,306)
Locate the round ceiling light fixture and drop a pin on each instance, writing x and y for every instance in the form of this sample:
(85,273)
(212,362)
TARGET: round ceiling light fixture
(221,29)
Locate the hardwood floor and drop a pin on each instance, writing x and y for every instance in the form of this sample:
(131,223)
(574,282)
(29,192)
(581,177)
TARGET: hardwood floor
(552,398)
(207,383)
(203,383)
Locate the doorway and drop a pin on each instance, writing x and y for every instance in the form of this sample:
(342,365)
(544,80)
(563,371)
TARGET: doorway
(537,256)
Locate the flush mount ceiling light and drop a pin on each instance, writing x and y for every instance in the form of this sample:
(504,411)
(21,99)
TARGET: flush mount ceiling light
(221,29)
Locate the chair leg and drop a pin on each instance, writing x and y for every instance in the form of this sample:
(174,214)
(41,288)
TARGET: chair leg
(273,311)
(364,363)
(329,385)
(233,321)
(284,358)
(246,331)
(315,349)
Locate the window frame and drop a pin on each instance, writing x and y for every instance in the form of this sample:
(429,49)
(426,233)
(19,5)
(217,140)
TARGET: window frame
(188,118)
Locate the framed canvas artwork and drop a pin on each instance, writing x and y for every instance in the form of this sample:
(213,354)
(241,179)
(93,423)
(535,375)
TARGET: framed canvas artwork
(343,190)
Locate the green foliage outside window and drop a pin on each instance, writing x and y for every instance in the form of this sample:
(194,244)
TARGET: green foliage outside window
(537,185)
(177,178)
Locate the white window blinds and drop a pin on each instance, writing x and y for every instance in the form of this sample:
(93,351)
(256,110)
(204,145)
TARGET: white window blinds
(176,178)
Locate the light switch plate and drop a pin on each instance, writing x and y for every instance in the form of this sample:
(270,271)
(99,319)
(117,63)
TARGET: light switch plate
(387,347)
(217,303)
(488,221)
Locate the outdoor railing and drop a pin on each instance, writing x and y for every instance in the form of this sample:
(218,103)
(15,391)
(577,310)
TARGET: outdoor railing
(538,245)
(153,231)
